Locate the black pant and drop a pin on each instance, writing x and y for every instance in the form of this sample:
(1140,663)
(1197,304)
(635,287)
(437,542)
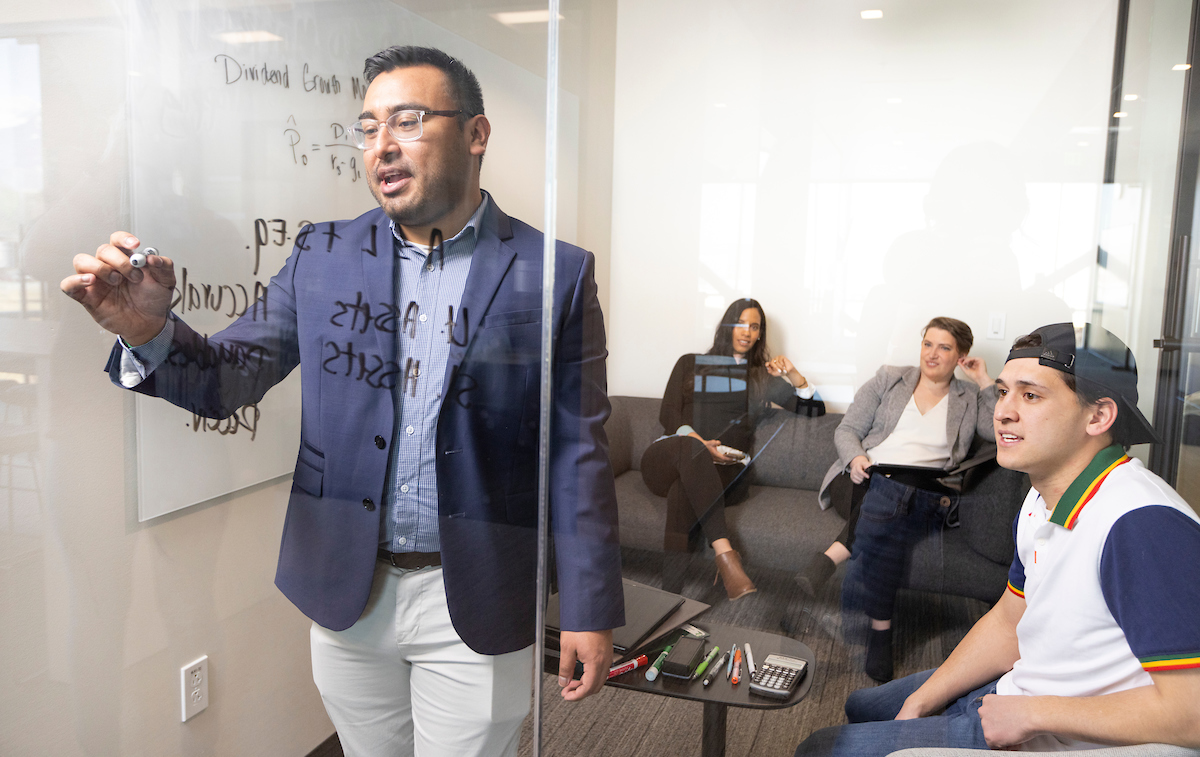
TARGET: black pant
(846,497)
(681,469)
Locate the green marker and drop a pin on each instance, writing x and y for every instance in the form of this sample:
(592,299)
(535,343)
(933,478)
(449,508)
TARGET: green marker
(704,665)
(652,673)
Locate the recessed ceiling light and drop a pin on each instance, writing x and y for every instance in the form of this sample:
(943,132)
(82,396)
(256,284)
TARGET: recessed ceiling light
(1130,98)
(871,14)
(515,18)
(240,38)
(1120,114)
(1181,66)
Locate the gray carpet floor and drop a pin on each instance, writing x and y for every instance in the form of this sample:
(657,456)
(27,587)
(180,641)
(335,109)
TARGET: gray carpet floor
(617,722)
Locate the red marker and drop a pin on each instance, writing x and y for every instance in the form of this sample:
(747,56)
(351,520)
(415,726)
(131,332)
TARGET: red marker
(737,667)
(625,667)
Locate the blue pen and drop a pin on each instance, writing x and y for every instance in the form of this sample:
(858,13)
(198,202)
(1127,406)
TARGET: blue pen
(729,669)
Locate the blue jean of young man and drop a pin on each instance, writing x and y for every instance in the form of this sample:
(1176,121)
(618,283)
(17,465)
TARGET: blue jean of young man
(874,732)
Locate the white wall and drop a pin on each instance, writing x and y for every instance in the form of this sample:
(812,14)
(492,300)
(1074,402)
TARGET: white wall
(857,177)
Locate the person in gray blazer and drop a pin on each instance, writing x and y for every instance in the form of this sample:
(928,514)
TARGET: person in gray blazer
(924,419)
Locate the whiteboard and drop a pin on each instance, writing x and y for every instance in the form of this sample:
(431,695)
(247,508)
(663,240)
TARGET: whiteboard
(236,128)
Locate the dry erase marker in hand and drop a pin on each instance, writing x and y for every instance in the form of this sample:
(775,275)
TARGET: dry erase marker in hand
(137,259)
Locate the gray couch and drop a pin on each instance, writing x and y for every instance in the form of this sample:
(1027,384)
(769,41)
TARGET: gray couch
(780,525)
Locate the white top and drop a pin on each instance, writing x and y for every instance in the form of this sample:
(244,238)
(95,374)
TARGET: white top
(917,439)
(1109,585)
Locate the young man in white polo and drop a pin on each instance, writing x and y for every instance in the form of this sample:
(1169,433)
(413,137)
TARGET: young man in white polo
(1097,640)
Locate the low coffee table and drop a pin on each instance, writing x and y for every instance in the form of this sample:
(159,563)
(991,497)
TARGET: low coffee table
(720,695)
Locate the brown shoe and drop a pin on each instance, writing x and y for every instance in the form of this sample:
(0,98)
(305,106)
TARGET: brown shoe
(729,570)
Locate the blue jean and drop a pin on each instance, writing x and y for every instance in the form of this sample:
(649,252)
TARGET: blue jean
(894,516)
(873,732)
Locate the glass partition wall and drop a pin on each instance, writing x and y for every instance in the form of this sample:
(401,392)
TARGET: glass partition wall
(858,171)
(777,200)
(136,536)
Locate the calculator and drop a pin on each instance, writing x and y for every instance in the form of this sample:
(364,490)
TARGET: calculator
(778,675)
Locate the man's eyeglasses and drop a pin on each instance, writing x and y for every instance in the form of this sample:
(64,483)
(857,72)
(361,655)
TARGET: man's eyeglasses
(404,125)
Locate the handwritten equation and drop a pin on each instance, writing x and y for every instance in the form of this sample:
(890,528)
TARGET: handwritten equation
(343,155)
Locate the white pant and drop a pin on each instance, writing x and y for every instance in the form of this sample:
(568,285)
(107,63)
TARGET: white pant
(401,682)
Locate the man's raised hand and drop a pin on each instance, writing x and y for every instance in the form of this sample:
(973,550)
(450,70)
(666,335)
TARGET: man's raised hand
(131,302)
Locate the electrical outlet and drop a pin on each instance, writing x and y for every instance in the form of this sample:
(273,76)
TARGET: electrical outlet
(995,325)
(193,688)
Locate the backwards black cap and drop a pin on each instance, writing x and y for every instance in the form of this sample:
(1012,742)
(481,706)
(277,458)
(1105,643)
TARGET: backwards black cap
(1099,361)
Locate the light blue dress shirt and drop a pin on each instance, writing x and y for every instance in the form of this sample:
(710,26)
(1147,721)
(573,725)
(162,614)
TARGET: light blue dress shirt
(428,293)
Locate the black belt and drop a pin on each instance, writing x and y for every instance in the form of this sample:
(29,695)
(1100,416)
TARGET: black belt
(926,481)
(410,560)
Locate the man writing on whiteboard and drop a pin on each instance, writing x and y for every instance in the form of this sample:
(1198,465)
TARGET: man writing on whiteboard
(410,537)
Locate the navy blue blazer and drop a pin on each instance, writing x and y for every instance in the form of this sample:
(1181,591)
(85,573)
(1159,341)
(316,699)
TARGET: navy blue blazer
(487,431)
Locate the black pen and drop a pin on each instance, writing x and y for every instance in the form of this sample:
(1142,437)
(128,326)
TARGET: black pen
(712,672)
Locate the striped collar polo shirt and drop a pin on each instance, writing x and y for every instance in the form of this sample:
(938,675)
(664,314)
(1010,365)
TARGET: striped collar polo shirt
(1111,582)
